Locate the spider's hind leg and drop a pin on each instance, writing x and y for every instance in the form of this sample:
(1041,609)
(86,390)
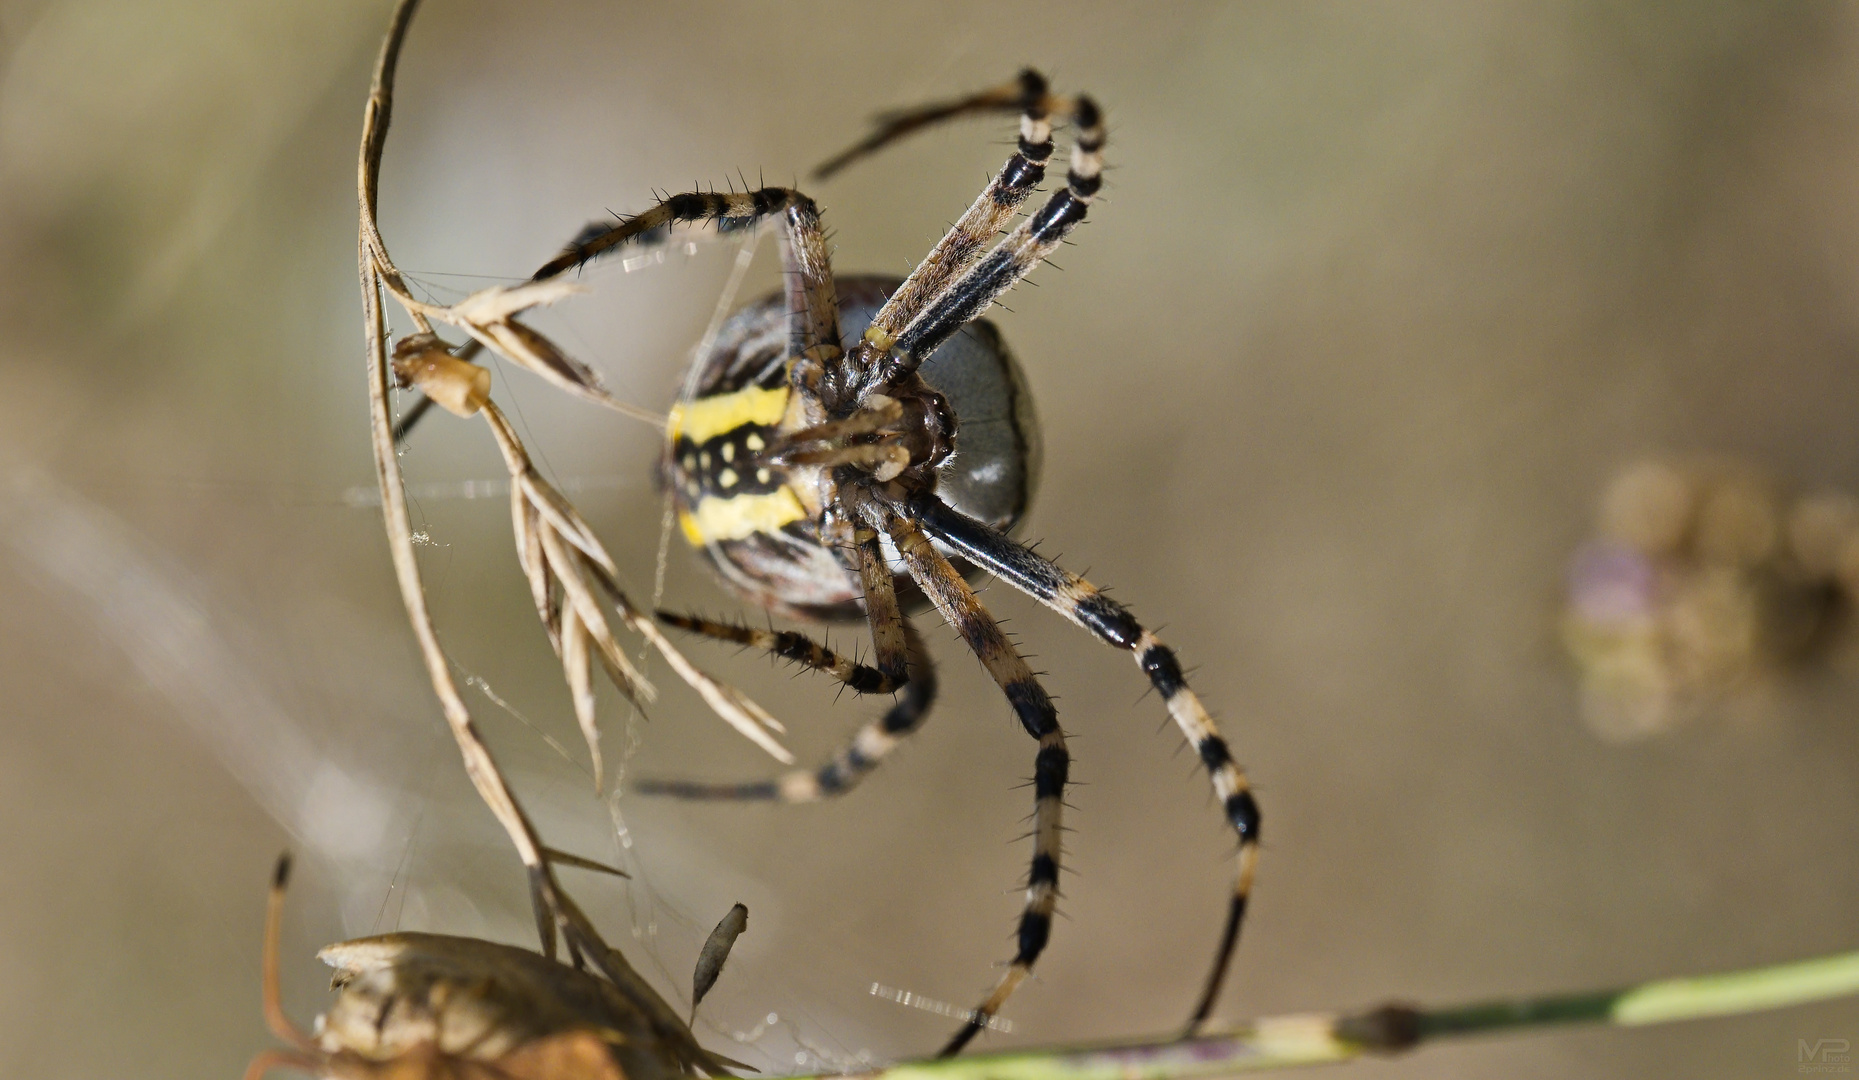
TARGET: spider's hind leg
(789,645)
(853,763)
(900,658)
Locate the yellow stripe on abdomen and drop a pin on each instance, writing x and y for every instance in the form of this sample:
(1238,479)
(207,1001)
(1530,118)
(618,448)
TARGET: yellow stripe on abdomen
(717,519)
(702,419)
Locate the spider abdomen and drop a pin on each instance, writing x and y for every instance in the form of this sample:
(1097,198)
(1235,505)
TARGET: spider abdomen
(758,523)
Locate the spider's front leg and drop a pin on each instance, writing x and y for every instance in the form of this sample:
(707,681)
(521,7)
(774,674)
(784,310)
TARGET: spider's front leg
(955,283)
(1082,603)
(813,301)
(811,298)
(730,211)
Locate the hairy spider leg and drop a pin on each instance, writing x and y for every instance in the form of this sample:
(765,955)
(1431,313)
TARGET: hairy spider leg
(812,295)
(813,299)
(986,218)
(1026,88)
(853,763)
(890,633)
(1082,603)
(789,645)
(1032,706)
(900,659)
(728,211)
(965,299)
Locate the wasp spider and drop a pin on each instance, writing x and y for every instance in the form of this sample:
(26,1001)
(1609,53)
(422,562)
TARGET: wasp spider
(816,466)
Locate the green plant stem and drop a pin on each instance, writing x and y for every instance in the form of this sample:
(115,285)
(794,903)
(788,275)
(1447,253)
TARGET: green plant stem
(1327,1038)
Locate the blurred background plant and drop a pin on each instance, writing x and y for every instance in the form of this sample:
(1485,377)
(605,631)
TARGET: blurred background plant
(1707,582)
(1377,300)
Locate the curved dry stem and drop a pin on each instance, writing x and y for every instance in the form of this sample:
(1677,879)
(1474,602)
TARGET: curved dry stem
(377,272)
(489,314)
(479,764)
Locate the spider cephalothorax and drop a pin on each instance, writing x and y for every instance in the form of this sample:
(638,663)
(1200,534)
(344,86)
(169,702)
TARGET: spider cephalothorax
(749,455)
(852,442)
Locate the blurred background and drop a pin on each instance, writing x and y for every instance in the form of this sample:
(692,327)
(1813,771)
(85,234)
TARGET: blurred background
(1378,299)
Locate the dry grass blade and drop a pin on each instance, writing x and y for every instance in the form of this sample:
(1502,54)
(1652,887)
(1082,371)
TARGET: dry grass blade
(544,519)
(726,701)
(581,602)
(527,525)
(485,775)
(564,858)
(486,309)
(489,317)
(564,519)
(574,640)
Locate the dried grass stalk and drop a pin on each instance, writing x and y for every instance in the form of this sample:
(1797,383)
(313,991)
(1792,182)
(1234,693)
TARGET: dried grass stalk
(557,551)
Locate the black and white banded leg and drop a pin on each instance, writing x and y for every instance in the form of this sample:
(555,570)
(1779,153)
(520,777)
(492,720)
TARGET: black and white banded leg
(1082,603)
(1033,707)
(967,297)
(869,747)
(813,300)
(984,220)
(899,658)
(954,284)
(789,645)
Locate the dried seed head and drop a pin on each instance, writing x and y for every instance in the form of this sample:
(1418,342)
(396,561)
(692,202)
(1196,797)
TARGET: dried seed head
(472,1001)
(459,386)
(715,952)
